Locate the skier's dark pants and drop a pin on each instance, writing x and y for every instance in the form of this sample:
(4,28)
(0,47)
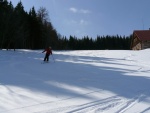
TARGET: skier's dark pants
(46,57)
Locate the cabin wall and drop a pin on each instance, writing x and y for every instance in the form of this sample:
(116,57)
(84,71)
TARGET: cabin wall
(136,43)
(145,44)
(137,47)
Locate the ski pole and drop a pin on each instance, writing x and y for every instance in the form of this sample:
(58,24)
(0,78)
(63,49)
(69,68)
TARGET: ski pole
(53,58)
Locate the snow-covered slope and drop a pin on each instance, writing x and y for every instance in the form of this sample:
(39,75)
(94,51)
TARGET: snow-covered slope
(108,81)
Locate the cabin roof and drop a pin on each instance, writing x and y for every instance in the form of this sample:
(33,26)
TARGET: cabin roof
(143,35)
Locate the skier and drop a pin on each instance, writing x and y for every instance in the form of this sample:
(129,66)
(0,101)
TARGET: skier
(48,52)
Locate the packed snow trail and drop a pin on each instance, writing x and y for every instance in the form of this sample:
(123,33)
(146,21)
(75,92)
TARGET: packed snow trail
(110,81)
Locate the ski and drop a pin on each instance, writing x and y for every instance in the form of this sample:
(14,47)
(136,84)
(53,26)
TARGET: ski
(44,62)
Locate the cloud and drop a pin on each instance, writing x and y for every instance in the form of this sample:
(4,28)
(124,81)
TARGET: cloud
(83,22)
(83,11)
(74,10)
(73,22)
(80,33)
(77,27)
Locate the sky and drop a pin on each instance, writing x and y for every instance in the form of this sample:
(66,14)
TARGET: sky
(94,17)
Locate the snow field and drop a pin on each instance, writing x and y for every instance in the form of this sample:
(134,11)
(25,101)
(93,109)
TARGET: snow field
(100,81)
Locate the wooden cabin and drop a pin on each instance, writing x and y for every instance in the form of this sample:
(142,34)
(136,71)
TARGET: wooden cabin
(140,40)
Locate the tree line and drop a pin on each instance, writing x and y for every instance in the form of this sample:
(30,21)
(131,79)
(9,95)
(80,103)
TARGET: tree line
(33,30)
(100,43)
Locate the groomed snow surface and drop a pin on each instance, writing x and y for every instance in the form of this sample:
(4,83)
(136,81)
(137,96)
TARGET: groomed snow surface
(102,81)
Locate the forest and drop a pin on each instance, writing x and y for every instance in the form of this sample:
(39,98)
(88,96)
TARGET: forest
(20,29)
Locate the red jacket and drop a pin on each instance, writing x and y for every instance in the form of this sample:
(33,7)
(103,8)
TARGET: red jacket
(48,51)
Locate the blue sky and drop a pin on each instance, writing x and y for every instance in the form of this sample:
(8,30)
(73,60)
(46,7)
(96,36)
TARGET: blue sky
(94,17)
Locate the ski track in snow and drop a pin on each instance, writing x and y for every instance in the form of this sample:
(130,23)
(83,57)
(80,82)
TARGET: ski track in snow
(80,99)
(96,106)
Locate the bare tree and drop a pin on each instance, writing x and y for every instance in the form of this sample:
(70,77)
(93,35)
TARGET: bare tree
(43,14)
